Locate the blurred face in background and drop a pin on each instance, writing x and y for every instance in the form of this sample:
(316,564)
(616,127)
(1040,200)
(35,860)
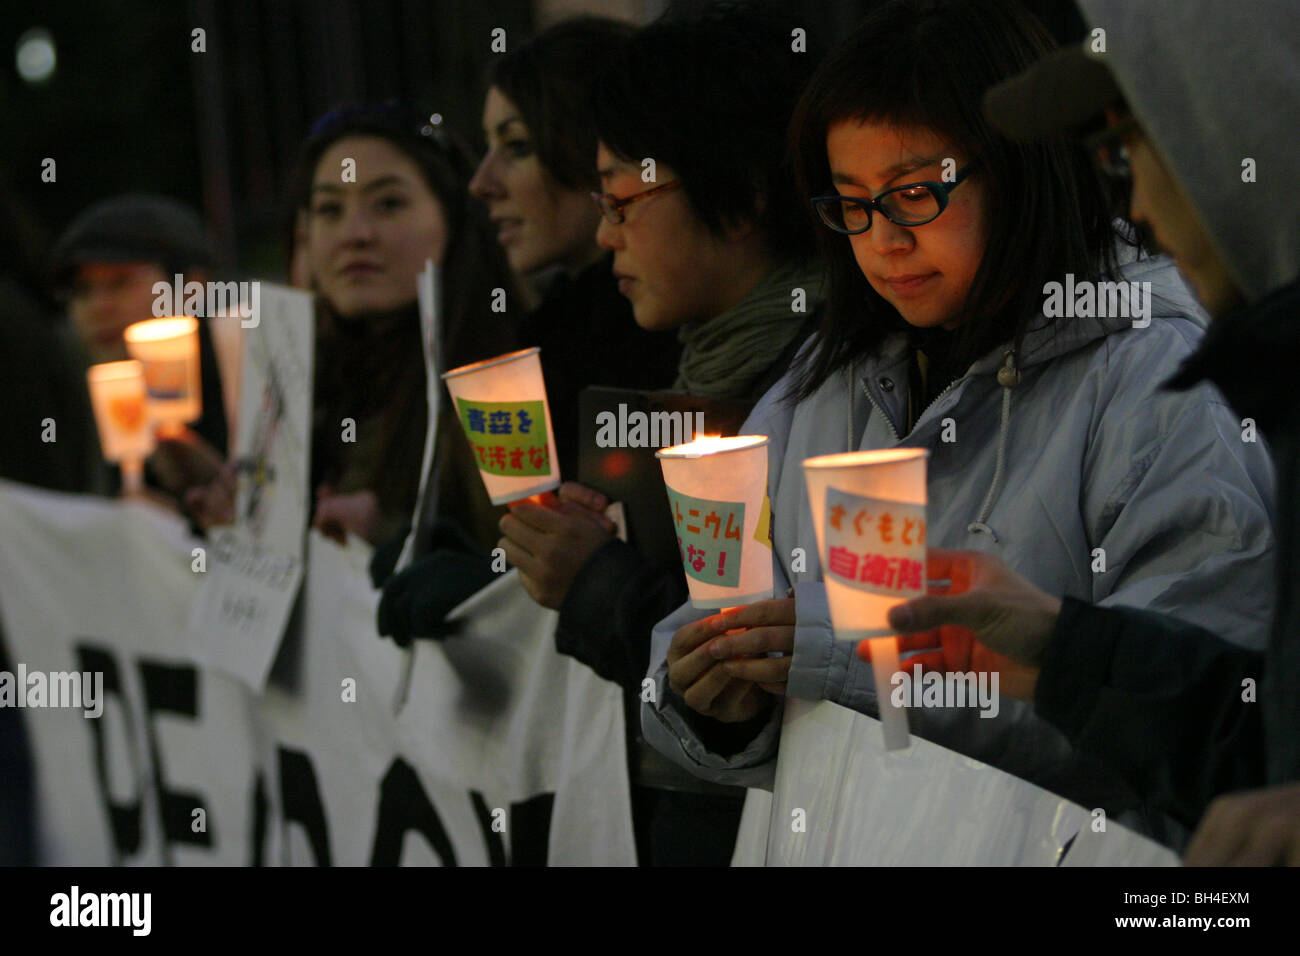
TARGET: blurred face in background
(539,222)
(366,241)
(106,297)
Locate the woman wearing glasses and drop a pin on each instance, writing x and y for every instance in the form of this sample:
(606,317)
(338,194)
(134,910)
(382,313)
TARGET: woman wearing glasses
(709,245)
(1051,443)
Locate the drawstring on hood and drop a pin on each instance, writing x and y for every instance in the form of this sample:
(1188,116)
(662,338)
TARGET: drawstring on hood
(1008,378)
(1042,343)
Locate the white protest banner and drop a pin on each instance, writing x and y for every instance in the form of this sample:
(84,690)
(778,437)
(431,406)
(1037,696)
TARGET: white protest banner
(427,294)
(842,799)
(90,585)
(254,568)
(506,753)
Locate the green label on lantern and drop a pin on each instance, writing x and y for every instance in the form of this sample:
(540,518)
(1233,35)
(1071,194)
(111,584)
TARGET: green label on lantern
(709,537)
(508,438)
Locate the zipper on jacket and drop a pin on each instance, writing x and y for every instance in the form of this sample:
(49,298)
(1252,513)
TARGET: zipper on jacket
(890,422)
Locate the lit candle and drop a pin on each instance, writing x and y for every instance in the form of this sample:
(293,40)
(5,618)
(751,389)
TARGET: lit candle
(169,350)
(117,395)
(501,404)
(868,509)
(717,490)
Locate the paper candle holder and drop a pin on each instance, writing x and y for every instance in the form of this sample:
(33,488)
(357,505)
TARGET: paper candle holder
(117,396)
(717,490)
(168,348)
(502,408)
(868,509)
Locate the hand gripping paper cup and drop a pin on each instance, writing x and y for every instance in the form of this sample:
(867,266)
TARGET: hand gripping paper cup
(869,511)
(169,351)
(501,404)
(117,395)
(717,490)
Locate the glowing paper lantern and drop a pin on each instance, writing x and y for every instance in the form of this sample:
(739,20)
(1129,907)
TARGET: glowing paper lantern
(869,511)
(501,404)
(169,350)
(117,395)
(717,490)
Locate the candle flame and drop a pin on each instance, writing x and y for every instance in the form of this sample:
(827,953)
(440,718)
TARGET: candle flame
(156,330)
(712,445)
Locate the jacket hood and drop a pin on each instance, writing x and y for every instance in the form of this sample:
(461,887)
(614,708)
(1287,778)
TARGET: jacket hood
(1215,84)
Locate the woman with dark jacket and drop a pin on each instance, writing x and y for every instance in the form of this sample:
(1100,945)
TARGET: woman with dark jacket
(715,249)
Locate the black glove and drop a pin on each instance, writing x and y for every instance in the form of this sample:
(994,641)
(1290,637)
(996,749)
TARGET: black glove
(416,600)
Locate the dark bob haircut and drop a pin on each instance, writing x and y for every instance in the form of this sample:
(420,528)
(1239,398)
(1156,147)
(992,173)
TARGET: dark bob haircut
(927,63)
(710,94)
(550,79)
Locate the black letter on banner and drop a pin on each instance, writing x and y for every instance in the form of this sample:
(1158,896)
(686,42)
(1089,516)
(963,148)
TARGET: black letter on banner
(300,801)
(258,829)
(173,690)
(530,830)
(403,805)
(495,846)
(124,820)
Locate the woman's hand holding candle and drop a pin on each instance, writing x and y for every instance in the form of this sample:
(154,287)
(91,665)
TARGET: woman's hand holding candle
(701,679)
(760,628)
(213,504)
(988,618)
(549,537)
(183,460)
(338,515)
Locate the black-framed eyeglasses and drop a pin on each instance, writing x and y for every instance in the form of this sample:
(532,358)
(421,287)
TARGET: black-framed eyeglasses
(611,206)
(912,204)
(1108,149)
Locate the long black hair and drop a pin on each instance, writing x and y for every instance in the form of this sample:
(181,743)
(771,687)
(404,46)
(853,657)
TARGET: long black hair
(474,263)
(550,80)
(383,375)
(927,63)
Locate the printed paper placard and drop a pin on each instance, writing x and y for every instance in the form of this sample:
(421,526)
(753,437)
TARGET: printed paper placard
(875,545)
(710,537)
(508,438)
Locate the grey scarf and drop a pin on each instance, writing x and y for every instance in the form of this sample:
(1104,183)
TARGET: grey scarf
(724,356)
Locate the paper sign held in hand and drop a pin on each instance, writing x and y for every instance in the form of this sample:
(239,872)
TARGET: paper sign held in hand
(709,536)
(508,438)
(717,490)
(501,404)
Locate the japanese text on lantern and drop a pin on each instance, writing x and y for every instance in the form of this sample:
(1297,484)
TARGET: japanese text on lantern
(508,438)
(709,537)
(875,545)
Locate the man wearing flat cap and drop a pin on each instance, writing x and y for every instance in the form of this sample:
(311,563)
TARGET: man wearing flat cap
(104,266)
